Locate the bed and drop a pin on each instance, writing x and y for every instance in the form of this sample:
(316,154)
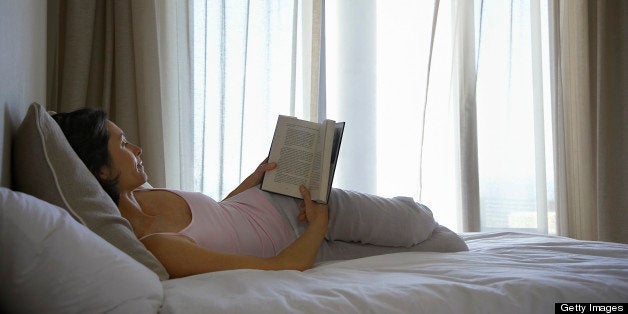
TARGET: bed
(65,249)
(501,273)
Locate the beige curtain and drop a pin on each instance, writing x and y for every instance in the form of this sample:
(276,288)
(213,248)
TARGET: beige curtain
(125,57)
(590,72)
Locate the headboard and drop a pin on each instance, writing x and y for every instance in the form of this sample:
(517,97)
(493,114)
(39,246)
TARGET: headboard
(22,69)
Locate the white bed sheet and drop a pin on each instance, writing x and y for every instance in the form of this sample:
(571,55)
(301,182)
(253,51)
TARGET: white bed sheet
(502,273)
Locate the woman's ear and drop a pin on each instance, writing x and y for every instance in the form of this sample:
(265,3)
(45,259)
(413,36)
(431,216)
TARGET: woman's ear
(104,173)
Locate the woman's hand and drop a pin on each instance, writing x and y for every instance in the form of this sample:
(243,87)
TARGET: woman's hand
(254,178)
(316,215)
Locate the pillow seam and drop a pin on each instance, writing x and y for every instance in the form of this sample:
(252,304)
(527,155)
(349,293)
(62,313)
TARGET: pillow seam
(54,176)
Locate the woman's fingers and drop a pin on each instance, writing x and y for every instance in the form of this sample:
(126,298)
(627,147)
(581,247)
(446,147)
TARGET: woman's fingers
(263,167)
(306,194)
(258,174)
(302,215)
(307,202)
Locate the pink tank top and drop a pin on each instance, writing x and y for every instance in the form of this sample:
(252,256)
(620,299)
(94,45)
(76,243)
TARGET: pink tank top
(246,223)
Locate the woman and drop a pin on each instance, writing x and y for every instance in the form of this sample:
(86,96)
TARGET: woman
(190,233)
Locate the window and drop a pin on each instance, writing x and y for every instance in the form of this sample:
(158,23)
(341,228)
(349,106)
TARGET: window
(391,73)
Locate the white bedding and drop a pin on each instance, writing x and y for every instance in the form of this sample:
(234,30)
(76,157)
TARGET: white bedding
(502,273)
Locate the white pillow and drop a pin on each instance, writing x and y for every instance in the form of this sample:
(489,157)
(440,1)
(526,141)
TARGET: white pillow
(51,263)
(45,165)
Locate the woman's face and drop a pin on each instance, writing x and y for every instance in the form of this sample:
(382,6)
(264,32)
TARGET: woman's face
(125,161)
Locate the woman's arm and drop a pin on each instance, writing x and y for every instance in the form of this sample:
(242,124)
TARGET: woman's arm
(255,178)
(182,257)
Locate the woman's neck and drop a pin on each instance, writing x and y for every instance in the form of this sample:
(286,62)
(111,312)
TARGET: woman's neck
(131,210)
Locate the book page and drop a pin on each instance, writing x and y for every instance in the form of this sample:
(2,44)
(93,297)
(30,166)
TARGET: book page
(318,171)
(327,138)
(295,148)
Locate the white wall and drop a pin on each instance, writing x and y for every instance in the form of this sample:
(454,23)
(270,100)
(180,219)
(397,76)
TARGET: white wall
(22,68)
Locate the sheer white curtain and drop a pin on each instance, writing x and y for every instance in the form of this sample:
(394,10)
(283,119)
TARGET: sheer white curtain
(449,101)
(514,117)
(445,101)
(249,59)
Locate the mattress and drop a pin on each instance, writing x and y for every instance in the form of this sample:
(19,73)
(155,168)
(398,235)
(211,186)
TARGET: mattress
(501,272)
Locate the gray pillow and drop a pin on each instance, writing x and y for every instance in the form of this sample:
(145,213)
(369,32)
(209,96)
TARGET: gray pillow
(46,166)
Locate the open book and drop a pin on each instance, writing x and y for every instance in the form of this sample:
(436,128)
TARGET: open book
(306,154)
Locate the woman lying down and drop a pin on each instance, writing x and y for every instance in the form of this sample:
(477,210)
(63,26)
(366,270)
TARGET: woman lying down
(190,233)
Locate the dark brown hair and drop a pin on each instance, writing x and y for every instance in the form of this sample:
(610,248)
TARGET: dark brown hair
(86,131)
